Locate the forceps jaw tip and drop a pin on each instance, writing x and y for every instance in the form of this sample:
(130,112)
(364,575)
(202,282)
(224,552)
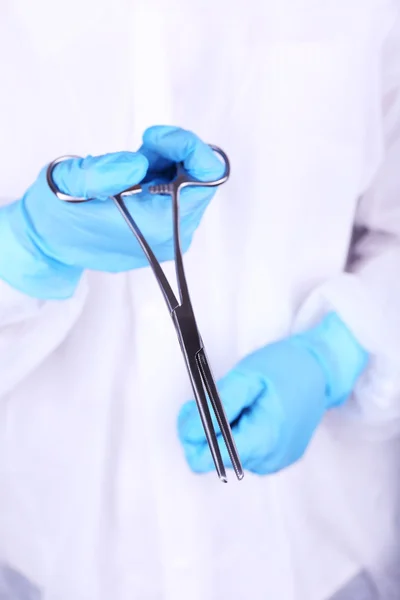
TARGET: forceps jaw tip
(224,478)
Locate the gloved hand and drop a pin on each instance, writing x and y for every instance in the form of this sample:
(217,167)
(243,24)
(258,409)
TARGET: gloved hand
(276,397)
(46,243)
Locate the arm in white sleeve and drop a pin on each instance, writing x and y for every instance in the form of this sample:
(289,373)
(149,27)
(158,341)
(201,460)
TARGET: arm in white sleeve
(367,295)
(30,330)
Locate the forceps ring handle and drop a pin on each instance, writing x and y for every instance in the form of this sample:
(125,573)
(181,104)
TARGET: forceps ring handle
(183,178)
(135,189)
(50,181)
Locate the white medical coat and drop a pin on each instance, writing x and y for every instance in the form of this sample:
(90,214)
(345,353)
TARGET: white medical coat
(96,500)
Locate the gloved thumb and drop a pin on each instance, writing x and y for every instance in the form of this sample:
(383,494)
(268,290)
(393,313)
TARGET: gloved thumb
(238,391)
(178,145)
(100,176)
(339,354)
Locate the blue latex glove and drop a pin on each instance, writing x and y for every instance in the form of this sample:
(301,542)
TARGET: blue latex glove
(45,243)
(276,397)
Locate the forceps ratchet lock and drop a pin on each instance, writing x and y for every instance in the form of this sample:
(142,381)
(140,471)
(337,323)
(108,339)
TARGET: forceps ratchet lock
(181,311)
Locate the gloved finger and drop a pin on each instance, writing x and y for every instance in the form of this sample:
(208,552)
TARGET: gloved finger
(238,391)
(257,436)
(194,201)
(256,440)
(158,165)
(100,176)
(284,452)
(179,145)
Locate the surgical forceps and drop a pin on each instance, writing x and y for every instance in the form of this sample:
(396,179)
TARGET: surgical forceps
(181,310)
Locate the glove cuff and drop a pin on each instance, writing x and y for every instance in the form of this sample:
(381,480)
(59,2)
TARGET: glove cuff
(24,267)
(338,353)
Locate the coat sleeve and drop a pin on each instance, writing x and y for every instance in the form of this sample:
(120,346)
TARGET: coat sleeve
(30,330)
(367,294)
